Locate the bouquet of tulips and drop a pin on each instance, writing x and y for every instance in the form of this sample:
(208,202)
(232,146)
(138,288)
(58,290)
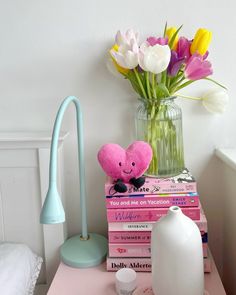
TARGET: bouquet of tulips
(161,66)
(158,69)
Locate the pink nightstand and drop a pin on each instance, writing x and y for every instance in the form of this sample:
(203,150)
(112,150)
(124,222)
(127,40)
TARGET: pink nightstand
(97,281)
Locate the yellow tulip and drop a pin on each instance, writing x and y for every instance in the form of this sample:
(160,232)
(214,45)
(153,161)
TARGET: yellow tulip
(201,41)
(120,69)
(169,33)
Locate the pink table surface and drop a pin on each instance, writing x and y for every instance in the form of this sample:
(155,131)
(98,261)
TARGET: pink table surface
(97,281)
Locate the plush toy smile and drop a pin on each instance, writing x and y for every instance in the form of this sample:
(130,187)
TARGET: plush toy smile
(125,165)
(127,172)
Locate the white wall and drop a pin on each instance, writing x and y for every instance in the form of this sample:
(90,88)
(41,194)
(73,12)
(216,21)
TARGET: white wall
(51,49)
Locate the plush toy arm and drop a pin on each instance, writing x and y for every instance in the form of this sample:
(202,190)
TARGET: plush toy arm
(120,187)
(137,182)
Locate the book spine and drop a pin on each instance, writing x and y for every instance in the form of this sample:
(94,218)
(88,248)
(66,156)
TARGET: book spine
(141,264)
(130,226)
(150,188)
(207,265)
(138,215)
(147,226)
(152,202)
(137,250)
(142,237)
(137,264)
(205,250)
(129,250)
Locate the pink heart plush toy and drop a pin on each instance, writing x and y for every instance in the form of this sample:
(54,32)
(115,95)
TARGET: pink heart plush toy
(125,165)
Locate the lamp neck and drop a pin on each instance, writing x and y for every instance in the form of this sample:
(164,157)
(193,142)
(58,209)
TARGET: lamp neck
(53,155)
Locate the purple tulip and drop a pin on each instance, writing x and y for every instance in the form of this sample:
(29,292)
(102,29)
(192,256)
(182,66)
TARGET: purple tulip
(175,63)
(197,68)
(161,41)
(183,48)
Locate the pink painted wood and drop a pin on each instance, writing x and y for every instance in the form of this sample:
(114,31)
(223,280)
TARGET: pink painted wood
(97,281)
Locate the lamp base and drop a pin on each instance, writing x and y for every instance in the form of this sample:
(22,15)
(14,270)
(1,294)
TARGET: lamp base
(80,253)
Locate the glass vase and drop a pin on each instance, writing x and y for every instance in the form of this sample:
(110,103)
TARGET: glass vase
(159,122)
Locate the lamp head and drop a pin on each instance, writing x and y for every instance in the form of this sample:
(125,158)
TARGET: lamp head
(52,211)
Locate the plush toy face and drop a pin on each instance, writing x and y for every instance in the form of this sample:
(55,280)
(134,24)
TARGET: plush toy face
(125,164)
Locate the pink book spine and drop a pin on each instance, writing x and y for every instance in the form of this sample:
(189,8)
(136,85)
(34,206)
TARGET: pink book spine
(152,202)
(141,264)
(151,189)
(205,250)
(207,265)
(154,214)
(153,186)
(137,250)
(129,250)
(130,237)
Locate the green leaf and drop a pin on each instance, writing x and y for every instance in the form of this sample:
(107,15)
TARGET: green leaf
(138,77)
(153,111)
(171,42)
(175,82)
(185,85)
(148,84)
(162,90)
(165,29)
(217,83)
(131,77)
(163,77)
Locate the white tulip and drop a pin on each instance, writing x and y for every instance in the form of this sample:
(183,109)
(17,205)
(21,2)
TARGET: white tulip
(142,50)
(215,100)
(127,38)
(154,59)
(111,68)
(128,49)
(127,59)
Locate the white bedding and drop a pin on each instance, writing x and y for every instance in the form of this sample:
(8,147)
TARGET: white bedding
(19,269)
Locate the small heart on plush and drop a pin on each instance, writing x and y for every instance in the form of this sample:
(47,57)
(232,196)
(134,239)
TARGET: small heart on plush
(125,164)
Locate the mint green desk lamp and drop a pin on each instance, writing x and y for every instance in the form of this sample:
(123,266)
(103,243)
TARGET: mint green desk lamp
(87,249)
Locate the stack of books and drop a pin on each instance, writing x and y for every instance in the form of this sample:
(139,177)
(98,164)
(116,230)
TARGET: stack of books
(131,216)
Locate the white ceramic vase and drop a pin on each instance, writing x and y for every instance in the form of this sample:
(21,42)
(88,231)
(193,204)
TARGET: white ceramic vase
(177,257)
